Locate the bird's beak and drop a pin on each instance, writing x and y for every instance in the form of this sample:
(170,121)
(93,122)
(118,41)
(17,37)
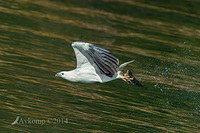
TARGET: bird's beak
(57,75)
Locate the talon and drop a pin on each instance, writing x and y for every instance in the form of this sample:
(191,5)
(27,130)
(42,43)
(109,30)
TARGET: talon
(127,82)
(127,78)
(131,78)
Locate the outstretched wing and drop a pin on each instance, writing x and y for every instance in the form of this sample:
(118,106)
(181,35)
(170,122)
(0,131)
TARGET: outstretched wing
(96,55)
(81,58)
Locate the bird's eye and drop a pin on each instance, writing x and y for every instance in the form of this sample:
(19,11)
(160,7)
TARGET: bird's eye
(62,73)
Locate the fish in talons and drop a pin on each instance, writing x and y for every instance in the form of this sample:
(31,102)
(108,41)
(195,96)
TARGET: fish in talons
(129,78)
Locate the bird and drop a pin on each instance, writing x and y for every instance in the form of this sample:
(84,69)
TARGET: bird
(96,64)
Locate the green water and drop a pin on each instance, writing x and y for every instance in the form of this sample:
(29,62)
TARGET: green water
(161,36)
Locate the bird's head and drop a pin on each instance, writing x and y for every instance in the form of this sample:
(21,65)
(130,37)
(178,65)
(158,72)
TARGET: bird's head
(68,75)
(61,74)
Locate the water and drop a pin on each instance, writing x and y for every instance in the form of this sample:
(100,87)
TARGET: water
(161,36)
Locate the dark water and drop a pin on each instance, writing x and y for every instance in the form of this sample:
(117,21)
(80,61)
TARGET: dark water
(161,36)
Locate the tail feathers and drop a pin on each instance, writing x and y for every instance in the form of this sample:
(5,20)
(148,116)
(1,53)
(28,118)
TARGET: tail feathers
(124,64)
(133,80)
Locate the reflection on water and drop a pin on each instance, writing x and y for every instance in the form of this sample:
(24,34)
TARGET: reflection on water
(163,38)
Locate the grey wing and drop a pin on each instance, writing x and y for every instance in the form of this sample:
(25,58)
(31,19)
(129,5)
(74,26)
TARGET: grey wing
(104,60)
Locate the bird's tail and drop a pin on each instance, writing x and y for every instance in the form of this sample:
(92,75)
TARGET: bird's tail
(129,78)
(124,64)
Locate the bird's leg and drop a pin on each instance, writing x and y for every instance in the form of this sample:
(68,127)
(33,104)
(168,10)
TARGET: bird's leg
(127,78)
